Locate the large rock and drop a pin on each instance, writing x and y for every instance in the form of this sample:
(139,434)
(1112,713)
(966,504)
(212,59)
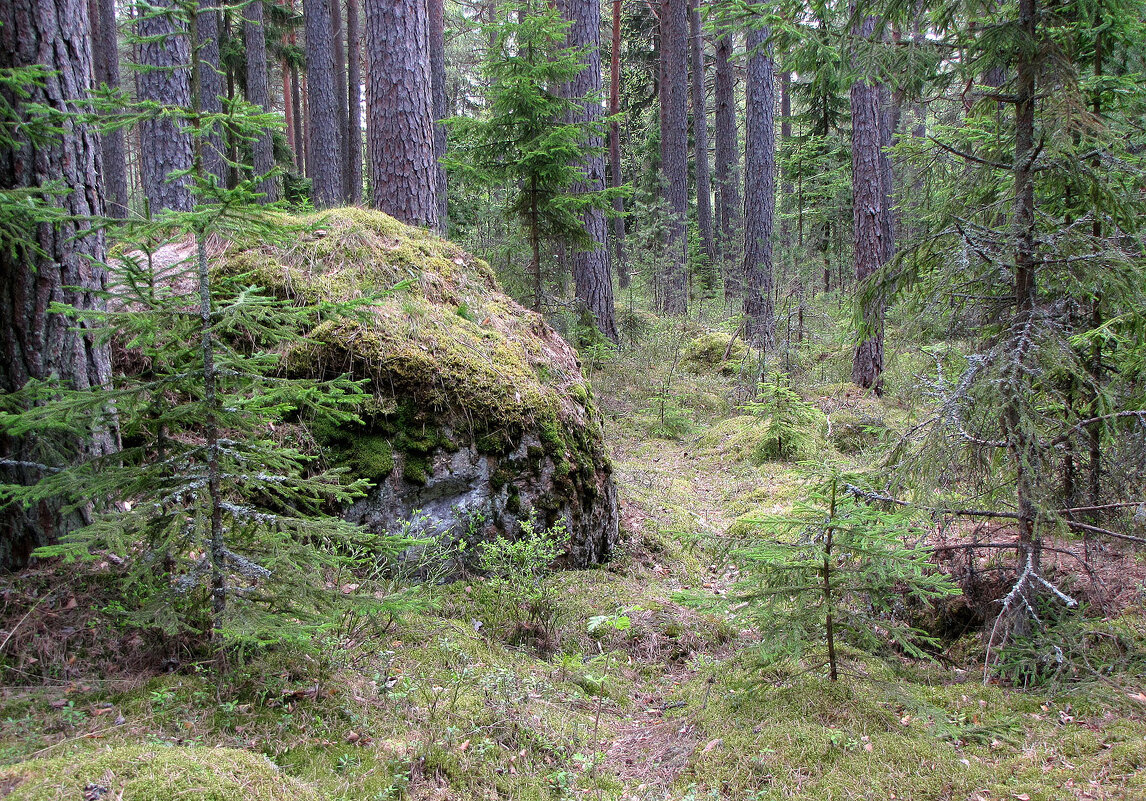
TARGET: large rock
(480,409)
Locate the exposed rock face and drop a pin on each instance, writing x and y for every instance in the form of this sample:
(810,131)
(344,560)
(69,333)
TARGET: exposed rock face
(480,410)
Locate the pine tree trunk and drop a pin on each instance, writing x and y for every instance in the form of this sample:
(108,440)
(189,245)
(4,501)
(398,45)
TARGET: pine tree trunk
(105,50)
(164,148)
(786,188)
(700,136)
(616,181)
(759,192)
(727,168)
(870,209)
(400,112)
(592,277)
(258,93)
(211,80)
(61,263)
(324,145)
(354,89)
(437,25)
(674,150)
(340,92)
(299,121)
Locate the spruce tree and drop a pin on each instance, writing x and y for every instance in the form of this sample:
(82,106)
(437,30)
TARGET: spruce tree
(521,141)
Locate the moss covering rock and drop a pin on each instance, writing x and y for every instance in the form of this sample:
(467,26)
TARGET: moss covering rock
(714,351)
(480,410)
(153,773)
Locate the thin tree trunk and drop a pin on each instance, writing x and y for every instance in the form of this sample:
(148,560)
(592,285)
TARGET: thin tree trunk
(437,43)
(340,92)
(164,147)
(700,136)
(400,112)
(759,192)
(674,150)
(621,268)
(786,188)
(258,93)
(1021,444)
(592,278)
(61,262)
(105,49)
(324,153)
(727,168)
(354,103)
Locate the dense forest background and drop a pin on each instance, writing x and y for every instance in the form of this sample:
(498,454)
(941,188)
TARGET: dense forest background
(822,367)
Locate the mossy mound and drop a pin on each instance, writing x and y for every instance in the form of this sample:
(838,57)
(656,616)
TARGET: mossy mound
(714,351)
(480,409)
(153,773)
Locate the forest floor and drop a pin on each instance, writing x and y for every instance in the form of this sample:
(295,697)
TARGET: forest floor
(645,683)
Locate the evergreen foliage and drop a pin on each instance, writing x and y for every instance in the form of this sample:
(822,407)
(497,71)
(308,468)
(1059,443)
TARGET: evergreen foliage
(214,500)
(525,140)
(838,564)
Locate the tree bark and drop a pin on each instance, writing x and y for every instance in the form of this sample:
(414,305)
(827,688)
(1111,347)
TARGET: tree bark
(105,50)
(354,102)
(786,188)
(674,151)
(211,83)
(437,43)
(164,146)
(258,93)
(592,277)
(870,210)
(700,136)
(340,91)
(759,192)
(400,111)
(727,168)
(60,262)
(324,147)
(616,181)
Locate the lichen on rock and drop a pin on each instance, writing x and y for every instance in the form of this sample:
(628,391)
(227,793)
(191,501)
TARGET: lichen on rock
(480,410)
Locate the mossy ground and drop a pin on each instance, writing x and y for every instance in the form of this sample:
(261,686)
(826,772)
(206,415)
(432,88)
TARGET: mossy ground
(439,705)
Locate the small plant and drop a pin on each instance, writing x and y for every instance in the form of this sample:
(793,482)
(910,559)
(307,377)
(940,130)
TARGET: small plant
(517,570)
(838,564)
(793,424)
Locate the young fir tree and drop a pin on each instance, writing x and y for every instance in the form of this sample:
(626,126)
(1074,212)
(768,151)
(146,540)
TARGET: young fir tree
(838,565)
(223,523)
(524,140)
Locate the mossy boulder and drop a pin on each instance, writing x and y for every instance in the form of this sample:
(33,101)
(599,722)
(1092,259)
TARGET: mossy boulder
(153,773)
(480,410)
(714,351)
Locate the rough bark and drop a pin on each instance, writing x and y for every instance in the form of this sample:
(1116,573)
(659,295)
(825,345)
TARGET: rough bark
(258,93)
(759,192)
(615,149)
(727,167)
(674,151)
(354,88)
(437,43)
(786,188)
(400,111)
(61,262)
(592,277)
(105,51)
(869,227)
(340,92)
(324,147)
(700,135)
(164,148)
(211,86)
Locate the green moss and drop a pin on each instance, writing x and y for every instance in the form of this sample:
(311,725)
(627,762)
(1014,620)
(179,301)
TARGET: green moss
(371,457)
(416,468)
(707,352)
(155,773)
